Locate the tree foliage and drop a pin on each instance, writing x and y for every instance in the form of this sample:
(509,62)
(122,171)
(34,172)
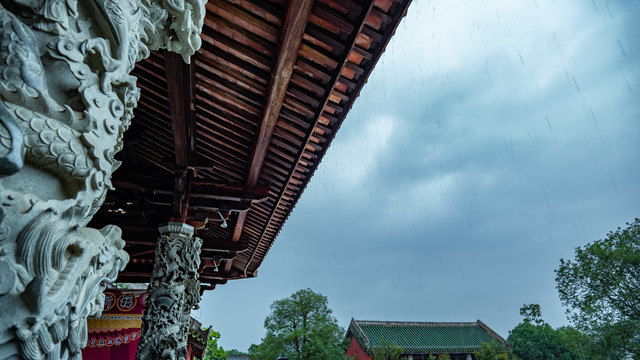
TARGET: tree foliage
(532,314)
(214,352)
(302,328)
(541,342)
(236,352)
(494,350)
(581,345)
(601,289)
(386,351)
(534,339)
(439,357)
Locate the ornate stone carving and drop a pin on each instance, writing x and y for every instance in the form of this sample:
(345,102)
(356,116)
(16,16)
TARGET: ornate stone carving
(66,97)
(173,292)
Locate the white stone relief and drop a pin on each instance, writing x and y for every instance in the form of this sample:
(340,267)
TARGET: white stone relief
(66,99)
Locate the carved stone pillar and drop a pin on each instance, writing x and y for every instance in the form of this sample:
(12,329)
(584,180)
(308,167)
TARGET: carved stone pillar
(66,97)
(173,292)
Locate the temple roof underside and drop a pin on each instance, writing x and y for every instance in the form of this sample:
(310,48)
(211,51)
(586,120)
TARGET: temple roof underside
(228,142)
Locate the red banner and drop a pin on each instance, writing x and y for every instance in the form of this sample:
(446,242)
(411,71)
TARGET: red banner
(120,321)
(113,338)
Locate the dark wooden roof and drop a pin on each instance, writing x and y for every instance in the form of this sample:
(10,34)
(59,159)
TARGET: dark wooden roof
(242,128)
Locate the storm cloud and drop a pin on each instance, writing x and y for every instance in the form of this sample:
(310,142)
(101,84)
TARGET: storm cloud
(491,140)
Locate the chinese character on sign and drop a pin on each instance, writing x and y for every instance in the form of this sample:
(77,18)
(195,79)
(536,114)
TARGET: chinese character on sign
(126,302)
(109,301)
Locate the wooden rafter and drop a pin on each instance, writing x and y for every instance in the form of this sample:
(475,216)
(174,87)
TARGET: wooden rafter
(180,88)
(288,44)
(202,189)
(336,78)
(260,116)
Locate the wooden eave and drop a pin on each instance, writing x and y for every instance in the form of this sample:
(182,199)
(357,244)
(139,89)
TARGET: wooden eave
(239,132)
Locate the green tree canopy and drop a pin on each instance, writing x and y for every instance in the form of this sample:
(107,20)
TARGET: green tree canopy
(534,339)
(441,357)
(386,351)
(539,342)
(532,314)
(214,352)
(601,289)
(236,352)
(494,350)
(302,328)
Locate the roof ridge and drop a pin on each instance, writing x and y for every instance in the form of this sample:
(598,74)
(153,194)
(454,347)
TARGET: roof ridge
(494,334)
(357,328)
(419,323)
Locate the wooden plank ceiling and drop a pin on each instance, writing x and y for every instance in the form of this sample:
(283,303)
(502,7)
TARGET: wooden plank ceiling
(238,133)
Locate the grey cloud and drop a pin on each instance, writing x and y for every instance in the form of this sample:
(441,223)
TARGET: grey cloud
(492,171)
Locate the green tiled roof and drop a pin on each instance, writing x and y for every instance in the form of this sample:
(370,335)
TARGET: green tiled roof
(422,337)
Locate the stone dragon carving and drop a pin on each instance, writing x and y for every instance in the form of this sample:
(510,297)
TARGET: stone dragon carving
(173,292)
(66,98)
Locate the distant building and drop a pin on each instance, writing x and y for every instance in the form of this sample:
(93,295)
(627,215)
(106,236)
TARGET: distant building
(418,340)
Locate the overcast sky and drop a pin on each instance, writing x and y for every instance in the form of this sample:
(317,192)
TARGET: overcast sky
(492,138)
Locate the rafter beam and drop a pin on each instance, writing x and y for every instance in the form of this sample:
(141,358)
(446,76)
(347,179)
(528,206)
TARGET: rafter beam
(202,189)
(180,89)
(288,45)
(336,77)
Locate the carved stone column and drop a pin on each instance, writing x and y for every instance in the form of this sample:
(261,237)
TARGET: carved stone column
(66,97)
(173,292)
